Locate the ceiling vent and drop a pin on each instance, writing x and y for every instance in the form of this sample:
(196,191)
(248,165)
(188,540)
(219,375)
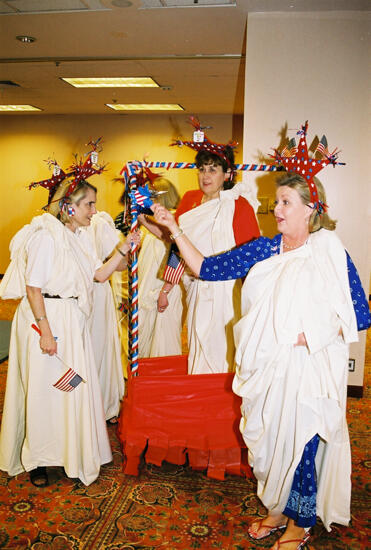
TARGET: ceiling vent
(152,4)
(17,7)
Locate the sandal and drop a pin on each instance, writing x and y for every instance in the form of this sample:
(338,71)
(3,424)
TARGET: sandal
(39,477)
(271,529)
(302,542)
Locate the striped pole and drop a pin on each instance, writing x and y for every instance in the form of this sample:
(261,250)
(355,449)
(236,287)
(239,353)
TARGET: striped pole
(189,165)
(133,279)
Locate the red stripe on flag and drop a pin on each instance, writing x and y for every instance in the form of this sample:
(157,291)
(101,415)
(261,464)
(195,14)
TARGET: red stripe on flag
(63,382)
(172,275)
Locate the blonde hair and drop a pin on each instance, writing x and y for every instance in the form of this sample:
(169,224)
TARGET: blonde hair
(297,182)
(169,199)
(76,196)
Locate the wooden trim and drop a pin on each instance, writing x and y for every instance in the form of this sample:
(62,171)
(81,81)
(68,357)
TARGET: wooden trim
(355,391)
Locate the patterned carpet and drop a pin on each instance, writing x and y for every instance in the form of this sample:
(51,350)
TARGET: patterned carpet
(167,508)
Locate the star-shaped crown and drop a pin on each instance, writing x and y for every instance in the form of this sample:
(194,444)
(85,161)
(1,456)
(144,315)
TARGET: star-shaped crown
(202,143)
(78,171)
(295,158)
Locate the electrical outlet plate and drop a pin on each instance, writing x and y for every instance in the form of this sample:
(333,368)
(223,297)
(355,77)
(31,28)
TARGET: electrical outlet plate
(351,365)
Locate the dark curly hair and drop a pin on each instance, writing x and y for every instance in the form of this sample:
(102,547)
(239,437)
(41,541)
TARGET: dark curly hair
(205,157)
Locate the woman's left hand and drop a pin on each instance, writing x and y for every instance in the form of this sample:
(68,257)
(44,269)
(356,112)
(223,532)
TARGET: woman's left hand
(133,238)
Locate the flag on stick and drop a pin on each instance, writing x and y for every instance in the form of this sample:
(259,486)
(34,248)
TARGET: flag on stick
(322,147)
(174,269)
(70,380)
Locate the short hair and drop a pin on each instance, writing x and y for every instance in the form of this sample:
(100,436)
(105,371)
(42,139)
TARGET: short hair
(297,182)
(76,196)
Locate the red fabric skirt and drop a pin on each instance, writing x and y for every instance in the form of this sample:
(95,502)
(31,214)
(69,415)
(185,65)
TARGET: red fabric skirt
(168,414)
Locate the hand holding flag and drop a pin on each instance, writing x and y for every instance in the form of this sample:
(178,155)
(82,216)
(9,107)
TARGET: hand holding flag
(70,379)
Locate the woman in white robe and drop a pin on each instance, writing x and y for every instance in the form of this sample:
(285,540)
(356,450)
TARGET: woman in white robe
(215,218)
(103,321)
(301,308)
(52,269)
(159,334)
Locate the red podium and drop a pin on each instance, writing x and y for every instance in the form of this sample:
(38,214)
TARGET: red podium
(168,414)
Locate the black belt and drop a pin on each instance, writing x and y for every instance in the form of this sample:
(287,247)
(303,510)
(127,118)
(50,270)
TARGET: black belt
(56,296)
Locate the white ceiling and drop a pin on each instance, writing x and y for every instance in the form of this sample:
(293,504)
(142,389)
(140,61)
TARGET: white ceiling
(196,53)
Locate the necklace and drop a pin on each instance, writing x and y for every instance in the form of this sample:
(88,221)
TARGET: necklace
(289,247)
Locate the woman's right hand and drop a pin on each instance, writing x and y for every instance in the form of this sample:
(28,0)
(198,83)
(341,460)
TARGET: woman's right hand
(48,344)
(162,302)
(164,217)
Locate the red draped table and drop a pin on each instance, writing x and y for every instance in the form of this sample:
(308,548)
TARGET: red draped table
(170,415)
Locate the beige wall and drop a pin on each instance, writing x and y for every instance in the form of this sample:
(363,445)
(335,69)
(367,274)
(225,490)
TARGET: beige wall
(26,140)
(314,66)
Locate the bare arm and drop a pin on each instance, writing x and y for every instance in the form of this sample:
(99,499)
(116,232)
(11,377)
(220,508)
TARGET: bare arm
(37,304)
(119,260)
(156,229)
(191,255)
(163,301)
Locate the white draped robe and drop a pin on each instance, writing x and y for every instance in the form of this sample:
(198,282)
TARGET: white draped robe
(213,307)
(41,425)
(159,333)
(290,393)
(103,320)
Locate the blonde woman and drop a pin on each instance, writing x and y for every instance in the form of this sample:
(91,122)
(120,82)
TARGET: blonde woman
(52,269)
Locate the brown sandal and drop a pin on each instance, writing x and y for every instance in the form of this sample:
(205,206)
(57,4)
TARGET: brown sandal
(271,529)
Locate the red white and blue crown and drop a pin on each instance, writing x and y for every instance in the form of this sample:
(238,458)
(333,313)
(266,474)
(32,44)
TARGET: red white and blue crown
(202,143)
(295,158)
(79,171)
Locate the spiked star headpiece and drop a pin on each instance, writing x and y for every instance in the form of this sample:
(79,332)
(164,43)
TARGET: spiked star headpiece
(78,171)
(202,143)
(295,158)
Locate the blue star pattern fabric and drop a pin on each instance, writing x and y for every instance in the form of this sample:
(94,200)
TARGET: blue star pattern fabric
(358,295)
(236,263)
(301,504)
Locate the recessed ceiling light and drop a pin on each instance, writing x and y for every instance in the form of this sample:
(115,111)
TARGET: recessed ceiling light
(113,82)
(26,39)
(145,106)
(18,108)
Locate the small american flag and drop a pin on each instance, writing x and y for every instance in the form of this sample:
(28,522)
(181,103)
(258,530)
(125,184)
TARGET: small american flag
(322,146)
(69,381)
(174,269)
(291,149)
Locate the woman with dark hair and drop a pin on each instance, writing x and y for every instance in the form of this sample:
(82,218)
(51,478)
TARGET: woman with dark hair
(52,269)
(301,305)
(216,217)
